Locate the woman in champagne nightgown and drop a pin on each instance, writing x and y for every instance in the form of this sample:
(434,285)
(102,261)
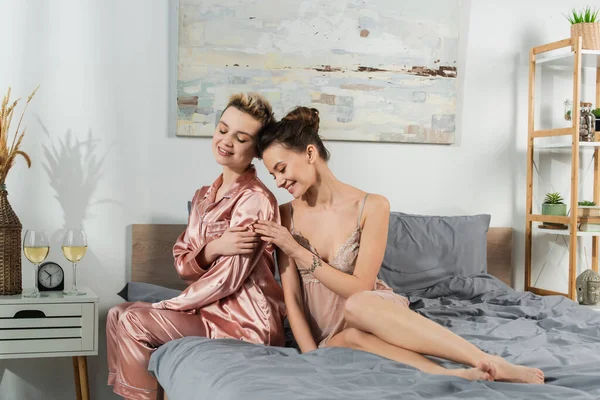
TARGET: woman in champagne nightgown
(330,247)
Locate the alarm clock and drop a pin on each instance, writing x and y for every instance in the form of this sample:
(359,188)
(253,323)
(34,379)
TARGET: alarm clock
(50,277)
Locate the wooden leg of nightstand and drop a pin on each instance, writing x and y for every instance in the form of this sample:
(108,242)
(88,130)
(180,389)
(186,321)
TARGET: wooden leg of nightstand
(160,393)
(77,379)
(83,378)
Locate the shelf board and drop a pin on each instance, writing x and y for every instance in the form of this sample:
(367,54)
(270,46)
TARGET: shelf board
(589,59)
(544,292)
(565,220)
(566,232)
(558,219)
(595,307)
(582,145)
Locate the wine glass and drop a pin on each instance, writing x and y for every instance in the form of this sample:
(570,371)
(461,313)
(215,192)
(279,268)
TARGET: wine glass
(74,247)
(36,248)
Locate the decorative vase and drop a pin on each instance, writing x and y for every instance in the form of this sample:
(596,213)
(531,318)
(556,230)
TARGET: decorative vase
(590,34)
(10,247)
(554,209)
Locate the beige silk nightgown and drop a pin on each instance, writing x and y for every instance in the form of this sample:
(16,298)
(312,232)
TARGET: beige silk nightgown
(325,309)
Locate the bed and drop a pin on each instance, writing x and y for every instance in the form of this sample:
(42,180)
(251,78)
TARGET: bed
(463,283)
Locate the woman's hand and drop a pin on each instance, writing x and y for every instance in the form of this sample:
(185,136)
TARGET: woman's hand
(279,235)
(236,241)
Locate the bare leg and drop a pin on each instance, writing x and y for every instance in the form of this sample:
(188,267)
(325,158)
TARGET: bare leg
(402,327)
(357,339)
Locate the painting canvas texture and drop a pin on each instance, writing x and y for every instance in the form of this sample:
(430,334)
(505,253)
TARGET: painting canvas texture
(377,70)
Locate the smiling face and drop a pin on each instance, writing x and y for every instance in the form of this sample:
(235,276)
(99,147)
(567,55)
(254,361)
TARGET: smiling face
(233,143)
(293,171)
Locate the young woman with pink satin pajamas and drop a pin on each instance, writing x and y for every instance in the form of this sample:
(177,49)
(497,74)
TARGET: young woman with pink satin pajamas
(232,291)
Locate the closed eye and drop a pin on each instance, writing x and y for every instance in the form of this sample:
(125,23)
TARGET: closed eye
(279,172)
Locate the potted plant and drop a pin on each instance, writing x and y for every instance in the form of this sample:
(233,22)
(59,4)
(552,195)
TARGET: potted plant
(588,209)
(584,23)
(10,226)
(596,113)
(554,205)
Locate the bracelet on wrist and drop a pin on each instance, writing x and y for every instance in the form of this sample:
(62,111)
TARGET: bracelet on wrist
(316,262)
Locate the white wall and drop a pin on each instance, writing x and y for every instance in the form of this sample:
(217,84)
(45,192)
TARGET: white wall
(107,70)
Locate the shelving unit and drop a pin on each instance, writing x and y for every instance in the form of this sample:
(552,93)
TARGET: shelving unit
(591,58)
(594,307)
(566,232)
(590,145)
(574,60)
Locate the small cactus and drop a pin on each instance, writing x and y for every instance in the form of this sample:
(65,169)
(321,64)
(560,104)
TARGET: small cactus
(553,198)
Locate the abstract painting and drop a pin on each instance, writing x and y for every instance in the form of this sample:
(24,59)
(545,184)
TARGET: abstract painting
(377,70)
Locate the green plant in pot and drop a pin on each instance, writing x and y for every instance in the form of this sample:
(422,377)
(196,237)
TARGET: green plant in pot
(596,113)
(587,208)
(584,23)
(554,205)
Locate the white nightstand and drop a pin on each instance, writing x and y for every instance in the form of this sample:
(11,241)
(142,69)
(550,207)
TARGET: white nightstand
(595,307)
(53,326)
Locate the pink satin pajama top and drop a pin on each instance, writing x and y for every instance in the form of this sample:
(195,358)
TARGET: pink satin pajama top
(237,296)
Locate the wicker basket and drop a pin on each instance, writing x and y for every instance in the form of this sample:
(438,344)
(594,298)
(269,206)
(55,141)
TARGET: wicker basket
(10,247)
(590,33)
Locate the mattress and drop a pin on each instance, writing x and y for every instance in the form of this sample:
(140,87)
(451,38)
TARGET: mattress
(552,333)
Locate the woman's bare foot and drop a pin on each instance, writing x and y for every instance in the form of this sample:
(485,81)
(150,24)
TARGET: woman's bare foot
(472,374)
(502,370)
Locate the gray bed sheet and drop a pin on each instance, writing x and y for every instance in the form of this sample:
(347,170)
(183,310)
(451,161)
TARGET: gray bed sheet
(552,333)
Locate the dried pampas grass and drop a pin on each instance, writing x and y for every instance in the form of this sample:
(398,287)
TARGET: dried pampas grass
(8,154)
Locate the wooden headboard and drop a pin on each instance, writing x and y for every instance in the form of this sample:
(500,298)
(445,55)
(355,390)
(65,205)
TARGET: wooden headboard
(499,254)
(152,254)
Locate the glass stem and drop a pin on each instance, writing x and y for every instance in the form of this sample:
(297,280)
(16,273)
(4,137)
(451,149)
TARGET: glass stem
(74,289)
(35,280)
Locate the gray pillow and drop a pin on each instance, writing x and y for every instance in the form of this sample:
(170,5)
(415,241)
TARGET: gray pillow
(141,291)
(423,250)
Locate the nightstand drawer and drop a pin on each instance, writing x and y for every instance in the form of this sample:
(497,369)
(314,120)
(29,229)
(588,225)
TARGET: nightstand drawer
(16,311)
(46,328)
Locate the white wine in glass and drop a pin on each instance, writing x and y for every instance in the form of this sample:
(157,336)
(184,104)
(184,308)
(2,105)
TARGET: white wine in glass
(36,248)
(74,248)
